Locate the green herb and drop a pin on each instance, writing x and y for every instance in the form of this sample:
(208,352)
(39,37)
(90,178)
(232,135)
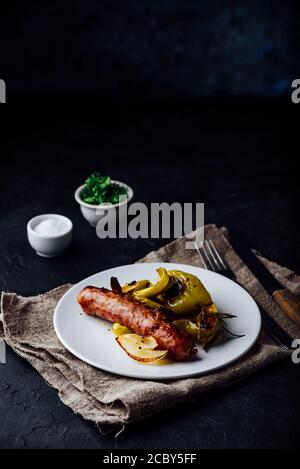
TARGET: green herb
(100,190)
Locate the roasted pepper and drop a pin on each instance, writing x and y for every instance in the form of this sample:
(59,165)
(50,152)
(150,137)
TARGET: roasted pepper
(135,286)
(147,301)
(205,328)
(186,294)
(189,327)
(156,289)
(118,329)
(210,327)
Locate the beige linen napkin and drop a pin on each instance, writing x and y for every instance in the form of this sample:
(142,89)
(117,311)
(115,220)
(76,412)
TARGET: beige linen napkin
(111,401)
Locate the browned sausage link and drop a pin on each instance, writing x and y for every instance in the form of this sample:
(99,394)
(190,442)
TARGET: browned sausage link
(141,319)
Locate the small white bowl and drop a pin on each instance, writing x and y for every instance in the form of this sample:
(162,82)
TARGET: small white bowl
(49,245)
(94,213)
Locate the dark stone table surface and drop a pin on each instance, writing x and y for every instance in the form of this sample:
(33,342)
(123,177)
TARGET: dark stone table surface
(238,160)
(150,48)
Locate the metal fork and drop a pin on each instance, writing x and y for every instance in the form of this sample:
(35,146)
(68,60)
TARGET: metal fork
(212,260)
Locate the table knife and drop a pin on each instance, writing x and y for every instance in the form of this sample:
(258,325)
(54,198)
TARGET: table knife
(288,301)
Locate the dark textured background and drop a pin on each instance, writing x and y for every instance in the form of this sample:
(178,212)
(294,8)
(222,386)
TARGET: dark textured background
(149,48)
(238,159)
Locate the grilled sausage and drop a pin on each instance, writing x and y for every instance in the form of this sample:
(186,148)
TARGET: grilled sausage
(141,319)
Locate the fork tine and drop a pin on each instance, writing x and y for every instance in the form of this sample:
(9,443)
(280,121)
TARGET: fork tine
(211,264)
(218,255)
(200,255)
(218,267)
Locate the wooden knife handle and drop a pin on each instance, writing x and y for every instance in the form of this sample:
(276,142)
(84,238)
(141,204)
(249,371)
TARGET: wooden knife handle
(289,303)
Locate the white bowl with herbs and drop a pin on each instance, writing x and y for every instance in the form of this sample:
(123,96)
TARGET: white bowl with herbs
(100,196)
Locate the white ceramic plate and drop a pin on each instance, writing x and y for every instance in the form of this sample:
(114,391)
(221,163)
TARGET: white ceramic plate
(91,339)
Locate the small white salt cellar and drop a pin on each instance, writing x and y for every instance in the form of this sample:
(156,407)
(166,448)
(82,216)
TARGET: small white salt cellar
(49,234)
